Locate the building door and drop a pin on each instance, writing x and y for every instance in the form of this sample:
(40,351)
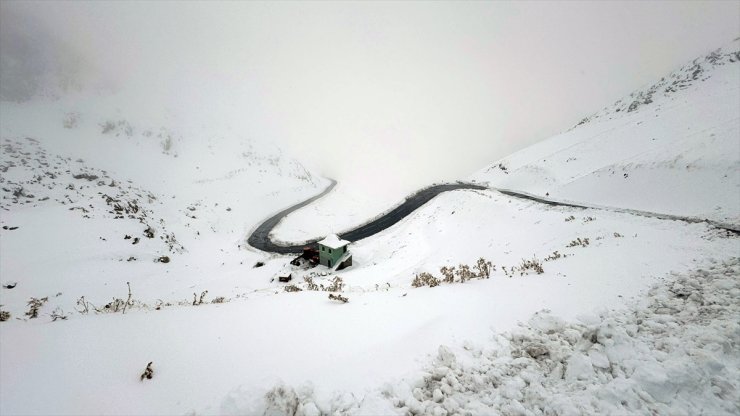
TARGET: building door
(329,261)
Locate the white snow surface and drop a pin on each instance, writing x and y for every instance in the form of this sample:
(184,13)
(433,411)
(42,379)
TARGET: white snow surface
(333,241)
(672,148)
(199,199)
(675,352)
(629,315)
(346,207)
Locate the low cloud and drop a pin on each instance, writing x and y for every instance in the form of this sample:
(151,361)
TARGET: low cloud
(386,95)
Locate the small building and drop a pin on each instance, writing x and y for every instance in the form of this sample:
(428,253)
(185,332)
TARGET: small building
(333,251)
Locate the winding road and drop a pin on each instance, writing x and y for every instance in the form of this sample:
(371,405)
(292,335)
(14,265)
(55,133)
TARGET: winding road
(670,217)
(260,238)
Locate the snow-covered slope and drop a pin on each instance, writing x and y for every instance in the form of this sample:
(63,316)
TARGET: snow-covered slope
(344,208)
(673,147)
(91,193)
(223,358)
(581,311)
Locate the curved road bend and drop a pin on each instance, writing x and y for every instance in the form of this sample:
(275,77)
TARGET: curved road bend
(260,238)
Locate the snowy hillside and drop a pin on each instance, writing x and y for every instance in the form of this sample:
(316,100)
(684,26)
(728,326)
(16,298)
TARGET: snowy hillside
(672,147)
(123,245)
(92,193)
(224,358)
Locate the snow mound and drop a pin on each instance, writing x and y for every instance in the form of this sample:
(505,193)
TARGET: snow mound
(671,148)
(675,354)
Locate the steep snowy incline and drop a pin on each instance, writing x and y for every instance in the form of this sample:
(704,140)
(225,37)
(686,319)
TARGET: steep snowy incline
(672,148)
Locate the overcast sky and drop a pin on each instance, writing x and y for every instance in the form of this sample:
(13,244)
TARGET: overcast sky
(396,93)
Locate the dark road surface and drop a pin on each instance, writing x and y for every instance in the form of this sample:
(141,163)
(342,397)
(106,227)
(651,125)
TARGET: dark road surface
(260,238)
(669,217)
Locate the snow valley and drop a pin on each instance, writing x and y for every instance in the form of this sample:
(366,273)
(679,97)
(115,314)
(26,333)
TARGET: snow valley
(594,272)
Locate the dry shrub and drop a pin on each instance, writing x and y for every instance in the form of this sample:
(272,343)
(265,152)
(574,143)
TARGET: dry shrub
(336,285)
(338,298)
(579,242)
(525,267)
(554,256)
(34,305)
(58,313)
(448,274)
(484,268)
(199,301)
(464,273)
(310,284)
(425,279)
(534,265)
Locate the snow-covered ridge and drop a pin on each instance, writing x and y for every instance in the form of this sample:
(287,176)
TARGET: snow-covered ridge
(698,70)
(165,149)
(677,152)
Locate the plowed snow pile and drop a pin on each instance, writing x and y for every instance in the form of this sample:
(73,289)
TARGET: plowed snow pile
(675,353)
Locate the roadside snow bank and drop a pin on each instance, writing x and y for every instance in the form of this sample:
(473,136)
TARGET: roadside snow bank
(676,355)
(675,352)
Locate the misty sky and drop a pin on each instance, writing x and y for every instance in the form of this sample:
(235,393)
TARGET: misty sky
(401,94)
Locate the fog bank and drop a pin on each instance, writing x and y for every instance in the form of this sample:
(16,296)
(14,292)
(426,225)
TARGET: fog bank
(387,95)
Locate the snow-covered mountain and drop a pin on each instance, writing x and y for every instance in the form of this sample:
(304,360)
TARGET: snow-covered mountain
(579,311)
(671,147)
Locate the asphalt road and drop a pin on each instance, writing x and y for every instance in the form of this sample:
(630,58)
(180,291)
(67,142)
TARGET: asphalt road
(669,217)
(260,238)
